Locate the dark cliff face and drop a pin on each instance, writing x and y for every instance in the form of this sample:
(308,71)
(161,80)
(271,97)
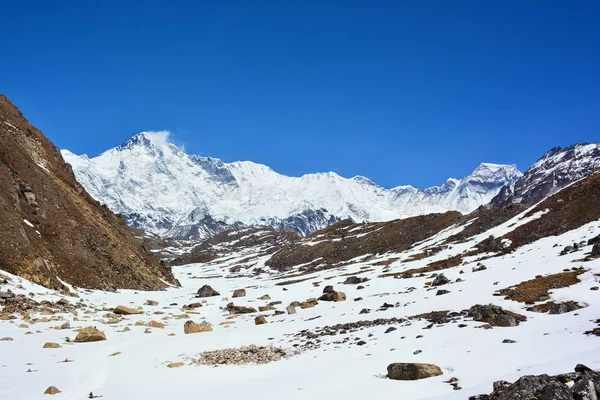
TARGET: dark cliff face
(556,169)
(52,229)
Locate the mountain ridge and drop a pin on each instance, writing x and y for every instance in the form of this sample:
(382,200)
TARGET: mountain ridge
(137,179)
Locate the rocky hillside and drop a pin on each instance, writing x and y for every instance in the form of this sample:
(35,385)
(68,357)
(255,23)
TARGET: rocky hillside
(52,229)
(137,179)
(555,170)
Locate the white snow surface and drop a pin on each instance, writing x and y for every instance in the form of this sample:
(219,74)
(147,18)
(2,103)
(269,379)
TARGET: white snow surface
(477,357)
(166,188)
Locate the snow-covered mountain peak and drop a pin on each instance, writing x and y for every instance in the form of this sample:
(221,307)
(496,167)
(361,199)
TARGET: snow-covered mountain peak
(159,187)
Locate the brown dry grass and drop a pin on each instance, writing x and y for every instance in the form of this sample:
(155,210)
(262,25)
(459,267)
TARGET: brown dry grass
(537,289)
(431,267)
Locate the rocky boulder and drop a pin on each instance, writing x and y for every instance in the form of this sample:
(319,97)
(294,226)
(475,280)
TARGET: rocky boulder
(52,390)
(440,280)
(354,280)
(412,371)
(89,334)
(495,315)
(260,320)
(233,309)
(122,310)
(192,327)
(239,293)
(207,291)
(331,295)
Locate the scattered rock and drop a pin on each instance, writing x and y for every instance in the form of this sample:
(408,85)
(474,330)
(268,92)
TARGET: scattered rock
(291,309)
(51,345)
(354,280)
(6,339)
(390,329)
(260,320)
(440,280)
(52,390)
(175,365)
(244,355)
(155,324)
(122,310)
(207,291)
(151,303)
(234,310)
(192,327)
(239,293)
(495,315)
(508,341)
(265,297)
(441,292)
(412,371)
(89,334)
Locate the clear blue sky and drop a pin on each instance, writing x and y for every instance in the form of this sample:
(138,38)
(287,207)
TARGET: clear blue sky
(403,92)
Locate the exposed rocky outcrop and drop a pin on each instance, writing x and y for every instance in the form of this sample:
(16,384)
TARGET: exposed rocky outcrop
(52,228)
(544,387)
(553,171)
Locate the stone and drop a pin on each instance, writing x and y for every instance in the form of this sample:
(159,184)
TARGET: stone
(122,310)
(175,365)
(52,390)
(596,250)
(508,341)
(440,280)
(291,309)
(412,371)
(585,389)
(260,320)
(6,339)
(354,280)
(266,308)
(207,291)
(66,325)
(155,324)
(333,296)
(310,303)
(390,329)
(151,303)
(265,297)
(89,334)
(192,327)
(51,345)
(564,307)
(239,293)
(494,315)
(235,310)
(441,292)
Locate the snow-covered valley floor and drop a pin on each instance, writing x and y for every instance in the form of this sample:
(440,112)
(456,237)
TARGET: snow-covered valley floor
(544,343)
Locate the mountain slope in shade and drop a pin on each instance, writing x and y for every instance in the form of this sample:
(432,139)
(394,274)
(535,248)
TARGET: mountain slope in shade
(553,171)
(158,187)
(52,230)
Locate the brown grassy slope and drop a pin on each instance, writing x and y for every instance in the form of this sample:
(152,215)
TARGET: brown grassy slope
(570,208)
(339,244)
(79,241)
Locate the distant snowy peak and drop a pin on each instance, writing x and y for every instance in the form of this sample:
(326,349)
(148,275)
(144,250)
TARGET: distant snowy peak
(552,172)
(158,187)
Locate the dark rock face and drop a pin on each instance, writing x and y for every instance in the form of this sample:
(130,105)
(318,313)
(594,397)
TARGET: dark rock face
(494,315)
(207,291)
(68,235)
(562,308)
(596,250)
(555,170)
(544,387)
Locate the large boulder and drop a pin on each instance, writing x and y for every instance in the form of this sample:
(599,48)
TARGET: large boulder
(260,320)
(122,310)
(412,371)
(440,280)
(207,291)
(333,296)
(354,280)
(239,293)
(90,334)
(192,327)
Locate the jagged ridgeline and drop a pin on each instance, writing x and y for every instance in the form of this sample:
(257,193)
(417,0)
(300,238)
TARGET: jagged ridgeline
(138,178)
(52,229)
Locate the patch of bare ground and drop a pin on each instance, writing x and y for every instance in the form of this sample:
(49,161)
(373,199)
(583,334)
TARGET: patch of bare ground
(387,262)
(292,281)
(538,289)
(372,238)
(484,220)
(431,267)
